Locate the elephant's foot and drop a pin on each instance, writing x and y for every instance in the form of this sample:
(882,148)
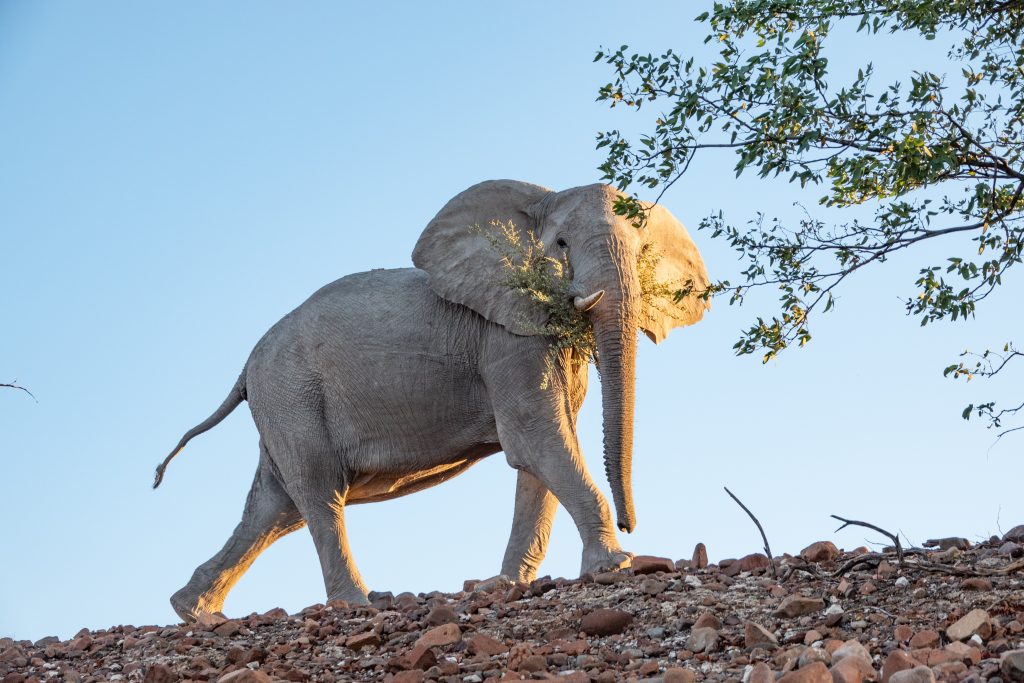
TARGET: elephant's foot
(597,559)
(191,606)
(521,574)
(353,596)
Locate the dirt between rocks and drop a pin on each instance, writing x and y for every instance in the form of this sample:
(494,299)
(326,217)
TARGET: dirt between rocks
(952,614)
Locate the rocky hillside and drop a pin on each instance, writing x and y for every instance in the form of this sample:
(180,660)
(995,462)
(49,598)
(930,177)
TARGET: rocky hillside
(950,614)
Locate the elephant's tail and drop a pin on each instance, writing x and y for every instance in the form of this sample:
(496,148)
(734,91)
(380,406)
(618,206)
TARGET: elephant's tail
(236,396)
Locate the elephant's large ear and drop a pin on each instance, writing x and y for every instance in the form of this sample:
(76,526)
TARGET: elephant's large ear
(677,266)
(462,264)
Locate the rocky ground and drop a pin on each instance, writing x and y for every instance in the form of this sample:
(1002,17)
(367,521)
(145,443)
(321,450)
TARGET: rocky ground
(951,614)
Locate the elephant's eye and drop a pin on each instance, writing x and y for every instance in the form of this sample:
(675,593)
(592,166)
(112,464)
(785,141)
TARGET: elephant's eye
(562,243)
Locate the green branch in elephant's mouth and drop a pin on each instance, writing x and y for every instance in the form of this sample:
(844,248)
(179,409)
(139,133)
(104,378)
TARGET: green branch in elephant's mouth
(546,282)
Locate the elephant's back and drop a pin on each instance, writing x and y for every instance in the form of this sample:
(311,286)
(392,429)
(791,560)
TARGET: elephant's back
(374,293)
(374,361)
(382,311)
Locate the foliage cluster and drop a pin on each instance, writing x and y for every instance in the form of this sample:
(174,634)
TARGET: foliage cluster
(939,157)
(547,281)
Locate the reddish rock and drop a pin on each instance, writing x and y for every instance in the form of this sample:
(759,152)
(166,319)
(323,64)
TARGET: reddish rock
(227,629)
(420,657)
(851,649)
(573,677)
(80,644)
(279,613)
(700,557)
(849,670)
(413,676)
(809,655)
(976,583)
(919,674)
(533,663)
(902,633)
(822,551)
(646,669)
(610,578)
(1015,534)
(245,676)
(495,583)
(755,635)
(797,606)
(761,673)
(812,673)
(442,614)
(483,644)
(854,669)
(977,621)
(446,634)
(606,622)
(898,660)
(160,673)
(648,564)
(208,621)
(924,639)
(708,620)
(675,674)
(361,640)
(968,654)
(947,543)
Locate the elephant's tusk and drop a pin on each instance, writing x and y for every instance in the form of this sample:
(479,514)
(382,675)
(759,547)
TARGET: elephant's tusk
(586,303)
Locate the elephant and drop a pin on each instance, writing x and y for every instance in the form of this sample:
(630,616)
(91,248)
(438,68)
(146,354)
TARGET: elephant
(387,382)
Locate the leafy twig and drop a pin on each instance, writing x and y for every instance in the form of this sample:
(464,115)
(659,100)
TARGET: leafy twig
(767,548)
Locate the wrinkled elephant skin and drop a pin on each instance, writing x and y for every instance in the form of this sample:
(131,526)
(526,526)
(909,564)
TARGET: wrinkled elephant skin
(388,382)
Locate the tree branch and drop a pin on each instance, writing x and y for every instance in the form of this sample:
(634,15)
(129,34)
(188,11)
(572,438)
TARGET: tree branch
(15,385)
(767,549)
(894,538)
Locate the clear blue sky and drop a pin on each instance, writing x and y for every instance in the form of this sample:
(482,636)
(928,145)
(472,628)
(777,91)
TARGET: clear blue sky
(176,177)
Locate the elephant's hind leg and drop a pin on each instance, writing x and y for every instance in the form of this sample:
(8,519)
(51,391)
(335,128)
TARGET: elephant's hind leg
(531,528)
(324,512)
(269,514)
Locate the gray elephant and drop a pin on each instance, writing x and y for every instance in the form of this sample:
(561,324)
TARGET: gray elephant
(391,381)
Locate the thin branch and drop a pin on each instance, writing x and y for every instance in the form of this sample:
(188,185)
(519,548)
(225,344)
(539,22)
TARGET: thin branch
(894,538)
(15,385)
(767,548)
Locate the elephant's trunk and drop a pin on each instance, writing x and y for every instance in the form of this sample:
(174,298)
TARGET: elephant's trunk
(615,331)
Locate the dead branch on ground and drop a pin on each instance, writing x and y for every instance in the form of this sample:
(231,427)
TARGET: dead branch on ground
(767,548)
(894,538)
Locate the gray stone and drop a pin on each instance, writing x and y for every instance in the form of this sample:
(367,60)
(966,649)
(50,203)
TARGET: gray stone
(702,640)
(1011,664)
(919,674)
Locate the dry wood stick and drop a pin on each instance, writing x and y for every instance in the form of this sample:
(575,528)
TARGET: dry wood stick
(767,548)
(895,539)
(15,385)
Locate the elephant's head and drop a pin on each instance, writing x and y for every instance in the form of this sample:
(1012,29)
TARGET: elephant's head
(603,250)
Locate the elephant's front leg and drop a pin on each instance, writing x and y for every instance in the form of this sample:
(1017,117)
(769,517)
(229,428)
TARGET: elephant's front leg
(531,528)
(547,449)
